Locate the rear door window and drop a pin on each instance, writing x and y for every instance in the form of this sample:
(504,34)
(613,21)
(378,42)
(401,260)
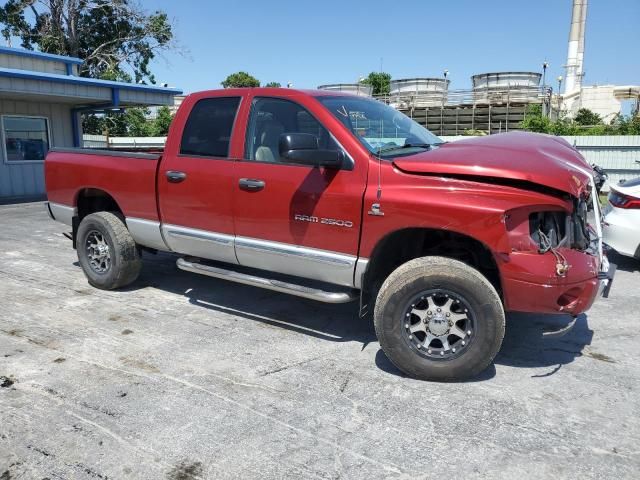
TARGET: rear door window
(207,132)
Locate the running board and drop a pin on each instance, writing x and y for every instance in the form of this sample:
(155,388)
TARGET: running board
(268,283)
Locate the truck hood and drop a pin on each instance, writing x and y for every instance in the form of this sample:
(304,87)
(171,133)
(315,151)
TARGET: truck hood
(530,157)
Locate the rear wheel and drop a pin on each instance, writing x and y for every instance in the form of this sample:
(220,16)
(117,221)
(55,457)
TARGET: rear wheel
(107,253)
(439,319)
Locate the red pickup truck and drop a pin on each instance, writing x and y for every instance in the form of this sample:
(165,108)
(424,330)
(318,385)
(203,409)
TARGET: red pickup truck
(334,197)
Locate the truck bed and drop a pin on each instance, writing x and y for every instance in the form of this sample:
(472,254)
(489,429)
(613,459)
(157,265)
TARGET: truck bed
(129,176)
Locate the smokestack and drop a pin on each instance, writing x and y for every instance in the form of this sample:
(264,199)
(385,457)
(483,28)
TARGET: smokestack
(575,53)
(583,28)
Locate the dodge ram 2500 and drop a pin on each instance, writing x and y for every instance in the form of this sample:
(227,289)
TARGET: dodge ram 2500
(335,198)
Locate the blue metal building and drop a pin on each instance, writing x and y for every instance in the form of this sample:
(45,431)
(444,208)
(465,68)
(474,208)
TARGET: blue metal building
(41,98)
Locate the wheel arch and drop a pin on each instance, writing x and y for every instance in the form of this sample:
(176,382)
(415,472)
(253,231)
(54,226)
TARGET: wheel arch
(402,245)
(90,200)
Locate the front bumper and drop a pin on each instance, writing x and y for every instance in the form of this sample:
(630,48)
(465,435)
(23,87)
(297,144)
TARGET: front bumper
(530,282)
(574,298)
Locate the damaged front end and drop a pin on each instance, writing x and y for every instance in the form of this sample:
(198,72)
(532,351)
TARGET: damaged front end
(551,259)
(556,263)
(556,229)
(578,230)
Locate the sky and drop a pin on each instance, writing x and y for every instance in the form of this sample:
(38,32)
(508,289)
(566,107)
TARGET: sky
(313,43)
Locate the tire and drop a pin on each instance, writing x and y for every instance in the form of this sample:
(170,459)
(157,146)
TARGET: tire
(415,297)
(106,230)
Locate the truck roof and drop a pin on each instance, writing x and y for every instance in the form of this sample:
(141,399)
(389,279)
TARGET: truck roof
(276,90)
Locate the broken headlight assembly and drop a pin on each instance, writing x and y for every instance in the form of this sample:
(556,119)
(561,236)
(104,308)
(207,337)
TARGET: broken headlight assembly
(531,229)
(548,230)
(580,236)
(535,228)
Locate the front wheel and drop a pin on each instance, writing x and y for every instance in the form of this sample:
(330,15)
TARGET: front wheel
(439,319)
(107,253)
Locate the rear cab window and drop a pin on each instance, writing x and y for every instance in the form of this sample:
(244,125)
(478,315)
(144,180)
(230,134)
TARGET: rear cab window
(207,132)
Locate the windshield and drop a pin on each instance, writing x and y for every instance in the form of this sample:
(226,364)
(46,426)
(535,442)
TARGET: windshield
(382,129)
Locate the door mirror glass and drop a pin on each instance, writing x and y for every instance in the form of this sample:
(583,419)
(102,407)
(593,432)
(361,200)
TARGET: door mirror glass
(297,141)
(303,148)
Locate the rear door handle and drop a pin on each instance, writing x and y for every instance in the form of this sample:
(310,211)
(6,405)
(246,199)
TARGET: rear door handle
(174,176)
(251,184)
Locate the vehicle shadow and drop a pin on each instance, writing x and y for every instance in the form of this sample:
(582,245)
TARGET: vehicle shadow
(335,323)
(524,343)
(526,346)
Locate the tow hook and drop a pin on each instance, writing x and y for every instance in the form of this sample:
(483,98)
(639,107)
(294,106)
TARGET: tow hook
(563,331)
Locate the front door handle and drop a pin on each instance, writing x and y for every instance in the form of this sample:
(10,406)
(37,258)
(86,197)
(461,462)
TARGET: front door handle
(174,176)
(251,184)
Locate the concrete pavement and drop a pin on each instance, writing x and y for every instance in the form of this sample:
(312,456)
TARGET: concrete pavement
(181,376)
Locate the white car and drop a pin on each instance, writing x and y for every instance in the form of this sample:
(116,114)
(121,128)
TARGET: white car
(622,219)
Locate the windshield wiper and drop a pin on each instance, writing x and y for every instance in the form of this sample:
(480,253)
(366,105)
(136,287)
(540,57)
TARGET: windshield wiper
(389,148)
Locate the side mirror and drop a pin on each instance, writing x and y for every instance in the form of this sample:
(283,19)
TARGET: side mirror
(303,148)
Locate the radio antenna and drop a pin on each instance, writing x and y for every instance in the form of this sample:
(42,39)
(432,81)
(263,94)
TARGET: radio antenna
(375,208)
(379,192)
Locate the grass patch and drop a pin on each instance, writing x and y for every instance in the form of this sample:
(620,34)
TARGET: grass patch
(603,199)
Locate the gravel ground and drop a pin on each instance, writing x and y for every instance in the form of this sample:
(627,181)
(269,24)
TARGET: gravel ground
(182,376)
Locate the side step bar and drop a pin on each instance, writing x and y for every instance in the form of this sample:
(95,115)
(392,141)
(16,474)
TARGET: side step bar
(268,283)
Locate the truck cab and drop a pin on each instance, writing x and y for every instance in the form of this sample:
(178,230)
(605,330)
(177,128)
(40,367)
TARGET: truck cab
(241,201)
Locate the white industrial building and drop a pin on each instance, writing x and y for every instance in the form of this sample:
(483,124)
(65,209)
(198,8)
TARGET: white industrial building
(41,99)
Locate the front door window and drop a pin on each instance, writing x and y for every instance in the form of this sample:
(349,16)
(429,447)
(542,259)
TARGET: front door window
(273,117)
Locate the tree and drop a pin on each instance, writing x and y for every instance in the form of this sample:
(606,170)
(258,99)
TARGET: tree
(115,38)
(629,125)
(111,123)
(534,121)
(380,82)
(162,122)
(585,122)
(137,122)
(239,80)
(586,117)
(92,124)
(273,84)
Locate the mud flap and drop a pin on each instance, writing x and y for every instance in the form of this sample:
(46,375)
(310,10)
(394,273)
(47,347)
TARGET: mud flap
(75,223)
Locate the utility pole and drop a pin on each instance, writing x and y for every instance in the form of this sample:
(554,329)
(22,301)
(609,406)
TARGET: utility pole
(545,97)
(559,94)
